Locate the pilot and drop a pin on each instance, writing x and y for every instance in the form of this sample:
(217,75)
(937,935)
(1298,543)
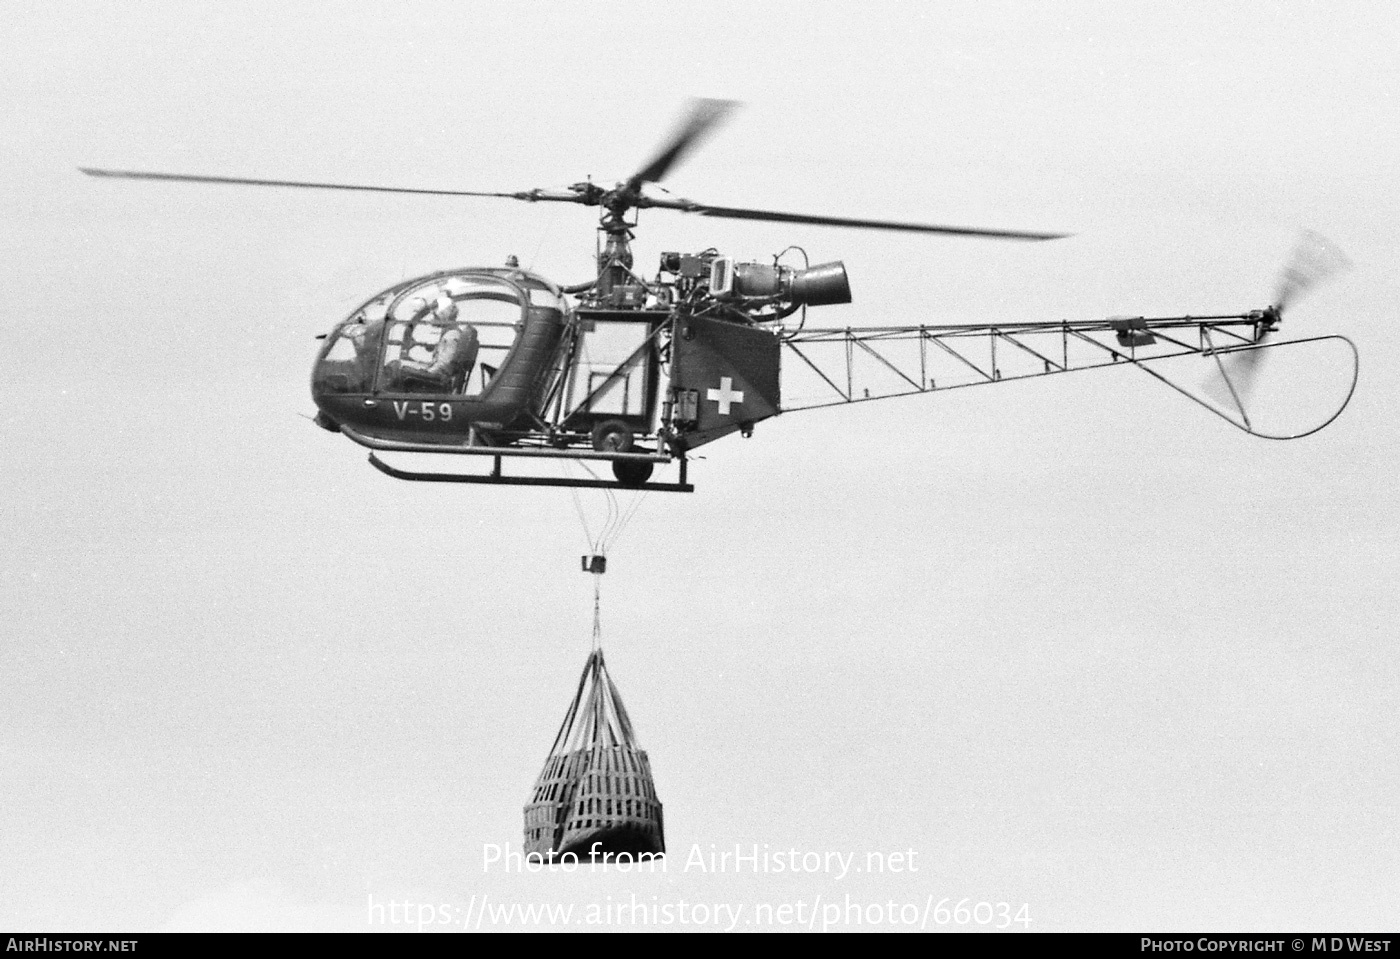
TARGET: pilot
(445,308)
(453,357)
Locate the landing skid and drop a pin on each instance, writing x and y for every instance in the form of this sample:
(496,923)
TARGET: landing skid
(496,478)
(499,453)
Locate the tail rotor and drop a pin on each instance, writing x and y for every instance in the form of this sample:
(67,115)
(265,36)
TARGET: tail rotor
(1313,260)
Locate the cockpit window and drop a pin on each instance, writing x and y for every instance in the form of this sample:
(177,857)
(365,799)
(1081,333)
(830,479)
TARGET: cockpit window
(479,298)
(449,334)
(347,366)
(542,296)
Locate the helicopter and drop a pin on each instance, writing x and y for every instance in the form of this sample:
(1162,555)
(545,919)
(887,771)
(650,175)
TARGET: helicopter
(505,364)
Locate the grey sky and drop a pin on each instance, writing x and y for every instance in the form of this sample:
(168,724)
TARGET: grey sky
(1075,642)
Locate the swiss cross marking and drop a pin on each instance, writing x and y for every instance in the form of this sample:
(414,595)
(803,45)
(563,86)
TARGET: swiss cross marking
(725,395)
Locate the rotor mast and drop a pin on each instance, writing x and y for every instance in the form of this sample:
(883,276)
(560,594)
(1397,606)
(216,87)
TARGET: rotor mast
(615,259)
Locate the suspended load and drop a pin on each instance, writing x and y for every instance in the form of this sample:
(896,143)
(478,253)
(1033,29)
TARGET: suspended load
(595,794)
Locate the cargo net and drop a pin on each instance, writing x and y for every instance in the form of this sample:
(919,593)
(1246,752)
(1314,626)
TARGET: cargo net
(595,795)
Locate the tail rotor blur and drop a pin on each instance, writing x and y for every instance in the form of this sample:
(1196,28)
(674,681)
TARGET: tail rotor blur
(1313,260)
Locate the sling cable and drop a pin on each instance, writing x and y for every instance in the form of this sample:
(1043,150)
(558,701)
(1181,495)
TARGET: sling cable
(595,798)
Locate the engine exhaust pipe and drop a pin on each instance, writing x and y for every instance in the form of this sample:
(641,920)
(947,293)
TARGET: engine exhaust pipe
(821,285)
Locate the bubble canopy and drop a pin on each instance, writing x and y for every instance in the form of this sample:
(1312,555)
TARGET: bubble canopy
(446,334)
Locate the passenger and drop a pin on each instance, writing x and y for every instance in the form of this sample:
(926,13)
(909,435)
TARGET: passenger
(348,366)
(359,332)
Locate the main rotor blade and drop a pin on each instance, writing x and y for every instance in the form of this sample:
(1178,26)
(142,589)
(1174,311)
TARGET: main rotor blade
(531,195)
(702,117)
(738,213)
